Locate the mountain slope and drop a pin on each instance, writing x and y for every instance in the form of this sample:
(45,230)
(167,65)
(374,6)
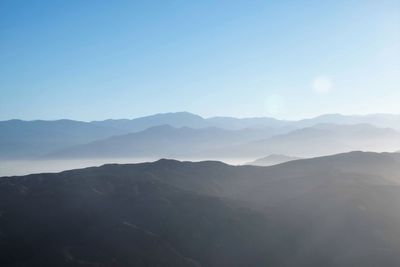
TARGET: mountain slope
(27,139)
(163,141)
(377,120)
(272,160)
(167,141)
(319,140)
(186,119)
(340,210)
(236,123)
(32,138)
(174,119)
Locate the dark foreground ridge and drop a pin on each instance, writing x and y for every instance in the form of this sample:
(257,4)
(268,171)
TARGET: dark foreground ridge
(339,210)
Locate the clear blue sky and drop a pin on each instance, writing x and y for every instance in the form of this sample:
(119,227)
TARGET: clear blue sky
(90,59)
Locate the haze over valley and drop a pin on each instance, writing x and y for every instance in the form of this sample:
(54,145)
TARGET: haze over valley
(45,146)
(199,133)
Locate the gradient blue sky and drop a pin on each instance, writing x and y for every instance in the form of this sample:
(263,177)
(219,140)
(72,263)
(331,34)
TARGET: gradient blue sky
(90,60)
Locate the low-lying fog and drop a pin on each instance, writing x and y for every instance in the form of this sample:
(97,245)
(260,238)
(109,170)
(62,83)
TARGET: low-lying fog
(24,167)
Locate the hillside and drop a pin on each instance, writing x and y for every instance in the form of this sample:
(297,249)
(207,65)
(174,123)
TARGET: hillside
(339,210)
(29,139)
(163,141)
(272,160)
(320,140)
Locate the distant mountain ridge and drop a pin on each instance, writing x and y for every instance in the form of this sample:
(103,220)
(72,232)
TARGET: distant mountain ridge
(167,141)
(187,119)
(182,119)
(178,119)
(33,138)
(30,139)
(378,120)
(319,140)
(163,141)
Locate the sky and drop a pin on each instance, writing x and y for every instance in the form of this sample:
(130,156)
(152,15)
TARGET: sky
(92,60)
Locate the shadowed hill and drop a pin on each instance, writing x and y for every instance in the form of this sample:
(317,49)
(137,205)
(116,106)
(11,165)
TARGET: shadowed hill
(338,210)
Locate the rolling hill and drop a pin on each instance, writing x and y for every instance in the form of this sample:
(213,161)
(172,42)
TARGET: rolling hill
(339,210)
(163,141)
(29,139)
(319,140)
(377,120)
(167,141)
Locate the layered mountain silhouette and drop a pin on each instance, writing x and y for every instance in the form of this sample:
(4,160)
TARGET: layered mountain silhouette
(378,120)
(339,210)
(167,141)
(164,141)
(26,139)
(31,139)
(186,119)
(319,140)
(178,119)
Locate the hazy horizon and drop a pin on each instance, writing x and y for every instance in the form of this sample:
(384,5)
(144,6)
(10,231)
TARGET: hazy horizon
(210,117)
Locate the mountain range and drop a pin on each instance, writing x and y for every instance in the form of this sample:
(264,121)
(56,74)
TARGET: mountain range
(167,141)
(319,140)
(339,210)
(27,139)
(186,119)
(164,141)
(202,137)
